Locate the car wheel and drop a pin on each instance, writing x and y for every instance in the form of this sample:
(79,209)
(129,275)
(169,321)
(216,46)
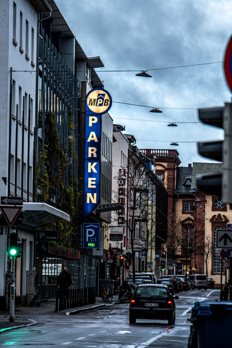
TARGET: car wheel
(172,319)
(132,319)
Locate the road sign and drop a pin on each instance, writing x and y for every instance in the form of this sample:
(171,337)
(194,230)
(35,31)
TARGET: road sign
(91,235)
(11,200)
(48,236)
(11,213)
(225,255)
(228,64)
(224,239)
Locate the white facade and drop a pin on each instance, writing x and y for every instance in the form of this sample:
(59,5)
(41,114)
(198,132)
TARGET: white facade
(119,180)
(18,88)
(18,33)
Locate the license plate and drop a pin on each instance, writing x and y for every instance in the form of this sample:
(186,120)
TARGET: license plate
(151,305)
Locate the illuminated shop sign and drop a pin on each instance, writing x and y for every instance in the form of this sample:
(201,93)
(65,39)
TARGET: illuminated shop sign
(98,101)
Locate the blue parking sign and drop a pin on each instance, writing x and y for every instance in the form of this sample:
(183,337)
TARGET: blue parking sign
(91,235)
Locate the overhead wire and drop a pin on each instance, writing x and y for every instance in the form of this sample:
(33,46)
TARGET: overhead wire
(162,68)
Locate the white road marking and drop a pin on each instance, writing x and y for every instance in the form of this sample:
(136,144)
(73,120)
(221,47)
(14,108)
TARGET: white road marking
(151,340)
(79,338)
(186,311)
(122,332)
(66,343)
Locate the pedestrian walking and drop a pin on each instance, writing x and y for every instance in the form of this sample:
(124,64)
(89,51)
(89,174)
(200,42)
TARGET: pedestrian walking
(64,279)
(63,282)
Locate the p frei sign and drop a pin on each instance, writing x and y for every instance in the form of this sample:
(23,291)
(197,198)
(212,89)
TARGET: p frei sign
(98,101)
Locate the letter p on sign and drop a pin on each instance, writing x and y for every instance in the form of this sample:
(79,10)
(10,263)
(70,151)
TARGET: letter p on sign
(91,232)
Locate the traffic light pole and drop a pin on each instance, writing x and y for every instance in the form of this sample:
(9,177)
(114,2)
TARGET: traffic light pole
(12,292)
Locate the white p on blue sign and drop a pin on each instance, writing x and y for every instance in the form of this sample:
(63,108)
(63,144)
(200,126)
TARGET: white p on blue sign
(91,235)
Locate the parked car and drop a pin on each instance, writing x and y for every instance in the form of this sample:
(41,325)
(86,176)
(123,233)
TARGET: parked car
(191,282)
(180,284)
(140,275)
(126,286)
(184,281)
(200,281)
(211,283)
(175,282)
(168,282)
(152,301)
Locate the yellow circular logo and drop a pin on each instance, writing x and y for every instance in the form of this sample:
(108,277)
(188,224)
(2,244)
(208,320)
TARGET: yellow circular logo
(98,101)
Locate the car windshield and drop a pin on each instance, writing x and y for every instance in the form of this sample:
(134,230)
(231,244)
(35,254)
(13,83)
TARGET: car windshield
(151,292)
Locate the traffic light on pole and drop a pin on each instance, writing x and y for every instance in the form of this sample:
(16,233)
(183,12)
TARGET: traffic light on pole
(14,247)
(121,260)
(162,265)
(218,183)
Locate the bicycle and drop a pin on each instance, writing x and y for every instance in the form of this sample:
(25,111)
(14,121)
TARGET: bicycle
(36,300)
(107,295)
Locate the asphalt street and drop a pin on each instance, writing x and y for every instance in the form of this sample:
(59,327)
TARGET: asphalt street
(101,326)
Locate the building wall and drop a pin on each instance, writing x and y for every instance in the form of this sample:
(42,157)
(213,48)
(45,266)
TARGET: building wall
(120,167)
(18,80)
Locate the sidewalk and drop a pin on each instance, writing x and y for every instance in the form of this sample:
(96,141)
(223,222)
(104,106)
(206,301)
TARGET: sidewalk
(22,313)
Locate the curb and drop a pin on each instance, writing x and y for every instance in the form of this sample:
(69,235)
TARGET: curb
(76,311)
(33,322)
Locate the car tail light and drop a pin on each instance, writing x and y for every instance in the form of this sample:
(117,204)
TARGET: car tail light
(132,303)
(169,304)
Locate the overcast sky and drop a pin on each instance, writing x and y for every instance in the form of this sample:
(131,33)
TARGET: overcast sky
(152,34)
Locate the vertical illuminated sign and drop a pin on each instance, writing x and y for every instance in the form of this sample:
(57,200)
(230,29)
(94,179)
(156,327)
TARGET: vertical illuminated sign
(98,101)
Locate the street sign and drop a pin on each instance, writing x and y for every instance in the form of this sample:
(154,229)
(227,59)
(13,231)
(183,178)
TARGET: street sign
(228,64)
(116,237)
(11,213)
(91,235)
(224,239)
(48,236)
(225,255)
(11,200)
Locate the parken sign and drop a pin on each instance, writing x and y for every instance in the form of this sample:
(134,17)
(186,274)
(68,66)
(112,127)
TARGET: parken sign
(98,101)
(91,235)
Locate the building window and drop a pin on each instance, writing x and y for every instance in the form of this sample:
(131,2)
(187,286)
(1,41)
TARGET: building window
(13,98)
(21,33)
(216,255)
(14,22)
(31,114)
(25,110)
(219,204)
(188,207)
(32,44)
(20,104)
(26,39)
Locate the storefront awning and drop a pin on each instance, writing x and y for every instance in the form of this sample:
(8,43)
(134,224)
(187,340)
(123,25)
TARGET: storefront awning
(37,215)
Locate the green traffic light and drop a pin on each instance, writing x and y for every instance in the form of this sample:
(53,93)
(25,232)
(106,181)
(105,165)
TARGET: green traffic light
(13,252)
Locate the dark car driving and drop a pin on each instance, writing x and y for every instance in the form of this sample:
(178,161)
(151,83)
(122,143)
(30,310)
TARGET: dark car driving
(152,301)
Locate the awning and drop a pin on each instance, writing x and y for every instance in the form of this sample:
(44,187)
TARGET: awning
(36,215)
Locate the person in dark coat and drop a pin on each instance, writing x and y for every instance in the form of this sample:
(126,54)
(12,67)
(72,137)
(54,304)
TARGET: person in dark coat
(64,280)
